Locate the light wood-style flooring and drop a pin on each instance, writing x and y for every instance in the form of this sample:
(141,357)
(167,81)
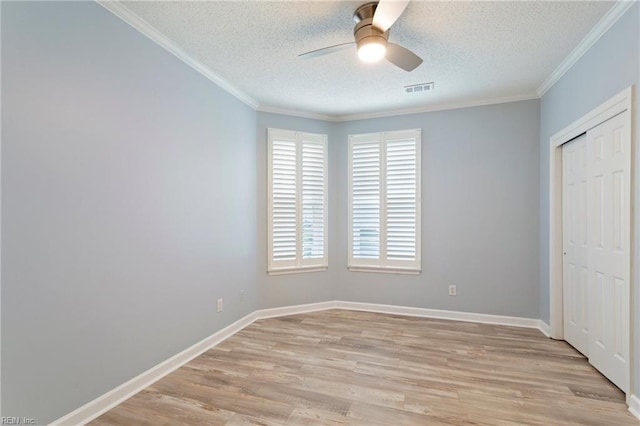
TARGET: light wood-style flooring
(341,367)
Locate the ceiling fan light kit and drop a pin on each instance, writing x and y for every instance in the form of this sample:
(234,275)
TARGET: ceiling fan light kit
(371,42)
(371,34)
(371,50)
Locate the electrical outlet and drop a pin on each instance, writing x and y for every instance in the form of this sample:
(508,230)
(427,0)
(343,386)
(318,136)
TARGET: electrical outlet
(220,301)
(242,295)
(452,290)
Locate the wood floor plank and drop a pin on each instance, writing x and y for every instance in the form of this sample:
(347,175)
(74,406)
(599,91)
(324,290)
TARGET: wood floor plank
(242,420)
(380,415)
(341,367)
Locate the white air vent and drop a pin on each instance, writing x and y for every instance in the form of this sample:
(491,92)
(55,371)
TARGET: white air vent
(417,88)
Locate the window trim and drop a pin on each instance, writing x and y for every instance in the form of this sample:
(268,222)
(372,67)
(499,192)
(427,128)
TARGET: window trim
(383,265)
(299,265)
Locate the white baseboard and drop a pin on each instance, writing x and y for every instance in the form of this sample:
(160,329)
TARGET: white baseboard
(401,310)
(294,309)
(441,314)
(102,404)
(634,405)
(545,328)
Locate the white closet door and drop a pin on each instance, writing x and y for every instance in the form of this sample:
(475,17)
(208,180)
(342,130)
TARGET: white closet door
(575,246)
(609,198)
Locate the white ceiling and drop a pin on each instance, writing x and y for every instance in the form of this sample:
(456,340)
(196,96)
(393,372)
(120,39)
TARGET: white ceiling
(475,52)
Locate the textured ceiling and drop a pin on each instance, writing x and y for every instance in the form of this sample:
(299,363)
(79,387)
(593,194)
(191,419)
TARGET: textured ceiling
(473,51)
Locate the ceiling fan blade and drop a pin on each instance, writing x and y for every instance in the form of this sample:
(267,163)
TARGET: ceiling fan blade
(402,57)
(325,50)
(387,12)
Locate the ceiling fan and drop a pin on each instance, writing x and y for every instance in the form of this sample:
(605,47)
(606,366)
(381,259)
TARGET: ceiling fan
(371,33)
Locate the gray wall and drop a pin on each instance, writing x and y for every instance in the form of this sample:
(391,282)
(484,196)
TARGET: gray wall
(295,289)
(128,206)
(480,212)
(134,194)
(610,66)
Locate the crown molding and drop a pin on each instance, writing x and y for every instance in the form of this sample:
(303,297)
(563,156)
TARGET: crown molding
(296,113)
(396,112)
(437,107)
(607,21)
(145,28)
(152,33)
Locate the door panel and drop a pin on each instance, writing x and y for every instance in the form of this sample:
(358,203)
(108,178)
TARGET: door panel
(596,206)
(575,248)
(609,216)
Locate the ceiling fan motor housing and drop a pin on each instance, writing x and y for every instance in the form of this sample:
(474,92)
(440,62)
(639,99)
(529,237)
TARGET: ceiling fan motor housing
(371,34)
(364,32)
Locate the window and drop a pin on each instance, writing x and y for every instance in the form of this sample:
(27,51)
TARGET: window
(384,201)
(297,188)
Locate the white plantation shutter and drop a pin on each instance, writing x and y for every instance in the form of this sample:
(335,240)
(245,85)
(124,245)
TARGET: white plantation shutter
(314,177)
(284,200)
(384,201)
(401,199)
(365,199)
(297,195)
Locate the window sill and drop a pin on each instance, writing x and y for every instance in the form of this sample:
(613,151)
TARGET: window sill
(385,270)
(296,270)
